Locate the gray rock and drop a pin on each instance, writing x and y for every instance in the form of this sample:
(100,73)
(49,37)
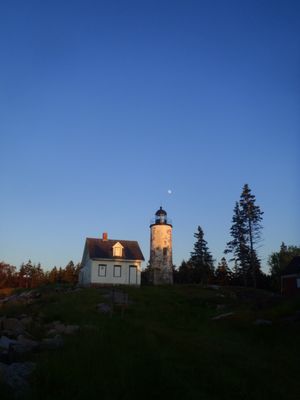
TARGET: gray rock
(25,345)
(59,328)
(220,306)
(15,376)
(104,308)
(4,356)
(13,325)
(8,299)
(262,322)
(52,343)
(31,294)
(3,368)
(6,343)
(71,329)
(22,369)
(222,316)
(214,287)
(26,321)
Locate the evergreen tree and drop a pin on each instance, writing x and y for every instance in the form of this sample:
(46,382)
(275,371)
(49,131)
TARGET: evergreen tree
(37,275)
(201,259)
(246,232)
(252,216)
(146,275)
(53,275)
(77,270)
(238,246)
(223,273)
(69,273)
(25,274)
(185,272)
(7,275)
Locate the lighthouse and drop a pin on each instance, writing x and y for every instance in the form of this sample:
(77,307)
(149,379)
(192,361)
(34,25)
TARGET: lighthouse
(161,265)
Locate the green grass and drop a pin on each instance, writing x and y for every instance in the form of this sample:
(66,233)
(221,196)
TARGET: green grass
(166,345)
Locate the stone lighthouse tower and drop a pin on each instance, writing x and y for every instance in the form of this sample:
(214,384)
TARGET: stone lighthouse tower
(161,265)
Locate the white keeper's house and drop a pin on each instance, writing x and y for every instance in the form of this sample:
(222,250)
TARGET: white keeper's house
(111,262)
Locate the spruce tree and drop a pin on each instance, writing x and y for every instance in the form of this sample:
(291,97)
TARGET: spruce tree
(185,272)
(252,216)
(68,274)
(223,273)
(201,259)
(238,246)
(246,232)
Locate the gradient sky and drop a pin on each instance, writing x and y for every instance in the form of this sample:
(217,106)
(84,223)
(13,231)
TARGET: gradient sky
(105,105)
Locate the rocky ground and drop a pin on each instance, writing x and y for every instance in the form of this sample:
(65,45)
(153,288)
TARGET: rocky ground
(18,341)
(24,334)
(27,327)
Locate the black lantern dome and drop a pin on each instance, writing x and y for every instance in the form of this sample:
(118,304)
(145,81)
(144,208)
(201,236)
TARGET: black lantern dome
(160,212)
(161,218)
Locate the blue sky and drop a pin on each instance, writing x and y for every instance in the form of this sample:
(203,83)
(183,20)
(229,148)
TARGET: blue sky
(105,105)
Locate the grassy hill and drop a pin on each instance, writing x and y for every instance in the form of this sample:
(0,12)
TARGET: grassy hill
(166,345)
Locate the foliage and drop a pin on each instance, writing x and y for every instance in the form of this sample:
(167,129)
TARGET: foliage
(33,275)
(279,260)
(201,261)
(185,273)
(146,275)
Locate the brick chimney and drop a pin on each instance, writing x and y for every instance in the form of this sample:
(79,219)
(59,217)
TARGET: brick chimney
(104,236)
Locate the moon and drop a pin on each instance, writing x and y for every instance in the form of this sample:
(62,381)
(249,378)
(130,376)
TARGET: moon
(169,191)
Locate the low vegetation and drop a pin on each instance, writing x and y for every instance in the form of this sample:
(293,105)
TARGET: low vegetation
(167,344)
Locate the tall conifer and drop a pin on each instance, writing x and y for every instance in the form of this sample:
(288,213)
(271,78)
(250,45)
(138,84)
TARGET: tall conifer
(201,259)
(246,232)
(252,216)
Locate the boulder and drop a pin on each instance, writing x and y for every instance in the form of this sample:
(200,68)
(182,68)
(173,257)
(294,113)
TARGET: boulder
(12,325)
(222,316)
(262,322)
(4,356)
(15,376)
(31,294)
(71,329)
(25,345)
(52,343)
(104,308)
(26,321)
(59,328)
(6,343)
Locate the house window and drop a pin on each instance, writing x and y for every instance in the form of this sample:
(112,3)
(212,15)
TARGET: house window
(165,251)
(117,251)
(298,283)
(102,270)
(117,271)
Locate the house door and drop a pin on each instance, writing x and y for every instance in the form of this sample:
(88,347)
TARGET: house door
(132,275)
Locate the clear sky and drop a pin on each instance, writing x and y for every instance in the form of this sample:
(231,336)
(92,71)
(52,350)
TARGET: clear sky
(106,105)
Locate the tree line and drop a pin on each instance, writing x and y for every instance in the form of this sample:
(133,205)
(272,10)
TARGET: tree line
(32,275)
(245,232)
